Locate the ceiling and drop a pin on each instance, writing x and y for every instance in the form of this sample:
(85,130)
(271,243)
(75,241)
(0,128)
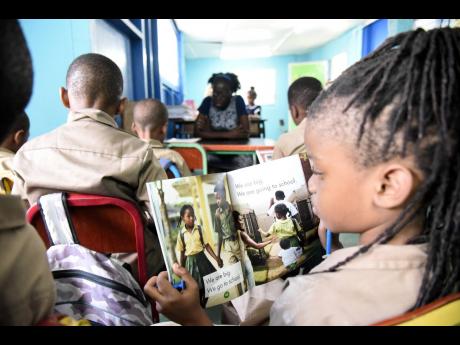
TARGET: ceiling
(252,38)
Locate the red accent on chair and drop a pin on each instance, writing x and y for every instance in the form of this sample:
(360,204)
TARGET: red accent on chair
(103,224)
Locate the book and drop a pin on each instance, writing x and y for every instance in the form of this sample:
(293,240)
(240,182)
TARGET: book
(182,140)
(264,155)
(222,227)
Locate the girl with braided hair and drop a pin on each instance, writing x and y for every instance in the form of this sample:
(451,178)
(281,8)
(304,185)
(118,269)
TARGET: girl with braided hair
(384,146)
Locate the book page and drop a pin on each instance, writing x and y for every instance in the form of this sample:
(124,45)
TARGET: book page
(254,193)
(183,208)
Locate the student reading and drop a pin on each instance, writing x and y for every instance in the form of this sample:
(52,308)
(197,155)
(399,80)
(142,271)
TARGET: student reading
(383,144)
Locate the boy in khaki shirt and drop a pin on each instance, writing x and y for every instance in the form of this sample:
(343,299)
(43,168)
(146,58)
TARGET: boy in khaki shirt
(150,121)
(16,137)
(301,95)
(89,154)
(26,284)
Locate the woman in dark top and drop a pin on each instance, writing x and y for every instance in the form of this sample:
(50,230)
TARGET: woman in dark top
(223,116)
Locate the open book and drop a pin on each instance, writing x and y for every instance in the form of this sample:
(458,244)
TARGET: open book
(228,229)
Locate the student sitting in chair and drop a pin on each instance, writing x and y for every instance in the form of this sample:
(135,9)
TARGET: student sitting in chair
(26,284)
(150,123)
(16,137)
(89,154)
(301,95)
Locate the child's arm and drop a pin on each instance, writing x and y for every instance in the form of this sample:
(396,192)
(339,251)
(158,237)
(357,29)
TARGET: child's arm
(181,307)
(211,252)
(251,243)
(182,258)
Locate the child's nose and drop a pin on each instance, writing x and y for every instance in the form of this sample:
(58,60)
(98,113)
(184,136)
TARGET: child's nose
(311,185)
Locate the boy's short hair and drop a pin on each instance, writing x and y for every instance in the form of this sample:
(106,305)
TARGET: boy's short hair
(285,243)
(220,188)
(304,91)
(279,195)
(20,123)
(150,113)
(16,74)
(95,76)
(281,209)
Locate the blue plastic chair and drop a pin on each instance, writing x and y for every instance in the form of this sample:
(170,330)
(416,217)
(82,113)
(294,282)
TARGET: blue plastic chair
(171,169)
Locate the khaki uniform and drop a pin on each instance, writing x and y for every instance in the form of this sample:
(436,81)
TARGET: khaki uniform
(375,286)
(26,284)
(161,151)
(90,155)
(6,170)
(226,228)
(290,143)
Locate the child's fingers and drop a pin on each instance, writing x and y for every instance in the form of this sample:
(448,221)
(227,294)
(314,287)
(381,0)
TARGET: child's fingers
(151,290)
(185,275)
(164,286)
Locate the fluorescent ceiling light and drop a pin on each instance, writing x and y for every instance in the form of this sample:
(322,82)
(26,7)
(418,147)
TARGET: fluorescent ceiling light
(233,52)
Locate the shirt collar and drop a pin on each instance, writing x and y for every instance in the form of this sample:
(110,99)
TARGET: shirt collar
(195,227)
(382,256)
(13,213)
(155,143)
(94,114)
(4,152)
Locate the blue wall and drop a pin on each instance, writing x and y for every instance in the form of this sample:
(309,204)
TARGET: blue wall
(53,44)
(198,71)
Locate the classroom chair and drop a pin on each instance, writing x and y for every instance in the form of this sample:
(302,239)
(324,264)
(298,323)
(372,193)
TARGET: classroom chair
(443,312)
(194,155)
(103,224)
(170,168)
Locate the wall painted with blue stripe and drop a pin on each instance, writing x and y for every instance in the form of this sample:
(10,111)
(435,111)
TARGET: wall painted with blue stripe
(53,44)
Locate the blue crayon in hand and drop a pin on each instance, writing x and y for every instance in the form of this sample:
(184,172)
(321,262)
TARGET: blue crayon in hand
(328,241)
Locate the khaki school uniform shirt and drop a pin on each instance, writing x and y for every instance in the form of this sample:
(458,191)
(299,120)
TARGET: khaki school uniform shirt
(192,241)
(375,286)
(89,154)
(6,170)
(290,143)
(161,151)
(26,284)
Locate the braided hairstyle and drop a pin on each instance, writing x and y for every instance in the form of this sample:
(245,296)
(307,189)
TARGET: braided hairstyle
(229,78)
(403,100)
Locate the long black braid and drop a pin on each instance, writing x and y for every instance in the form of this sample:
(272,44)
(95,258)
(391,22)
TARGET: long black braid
(230,78)
(409,97)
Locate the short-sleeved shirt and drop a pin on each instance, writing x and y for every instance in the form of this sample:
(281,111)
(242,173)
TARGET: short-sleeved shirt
(290,206)
(291,143)
(224,223)
(6,170)
(224,119)
(290,255)
(283,228)
(192,241)
(253,109)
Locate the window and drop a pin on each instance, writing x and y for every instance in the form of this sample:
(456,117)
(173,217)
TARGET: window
(264,82)
(168,52)
(338,64)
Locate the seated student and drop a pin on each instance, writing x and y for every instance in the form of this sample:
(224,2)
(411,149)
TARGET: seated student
(150,123)
(284,227)
(89,154)
(251,107)
(301,95)
(223,116)
(382,149)
(289,254)
(16,137)
(279,196)
(26,284)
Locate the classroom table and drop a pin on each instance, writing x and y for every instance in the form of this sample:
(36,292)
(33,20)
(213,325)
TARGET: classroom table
(238,147)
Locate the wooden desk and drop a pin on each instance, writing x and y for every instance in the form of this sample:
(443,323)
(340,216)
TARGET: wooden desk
(238,147)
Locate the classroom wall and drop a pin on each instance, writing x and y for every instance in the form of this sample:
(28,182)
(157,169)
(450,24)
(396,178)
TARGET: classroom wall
(396,26)
(198,71)
(53,44)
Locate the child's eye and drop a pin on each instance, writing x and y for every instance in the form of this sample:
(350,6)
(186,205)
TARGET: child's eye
(315,172)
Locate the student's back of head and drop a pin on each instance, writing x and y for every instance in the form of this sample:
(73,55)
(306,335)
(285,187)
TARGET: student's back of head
(301,94)
(150,118)
(93,81)
(25,280)
(18,133)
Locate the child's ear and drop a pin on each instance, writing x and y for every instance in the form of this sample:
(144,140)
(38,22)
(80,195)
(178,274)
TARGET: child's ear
(64,96)
(121,106)
(394,186)
(133,128)
(20,137)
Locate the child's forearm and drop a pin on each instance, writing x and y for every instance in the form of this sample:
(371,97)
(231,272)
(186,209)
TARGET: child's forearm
(211,252)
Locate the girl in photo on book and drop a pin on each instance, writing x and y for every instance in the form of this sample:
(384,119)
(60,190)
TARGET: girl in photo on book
(191,245)
(384,146)
(284,226)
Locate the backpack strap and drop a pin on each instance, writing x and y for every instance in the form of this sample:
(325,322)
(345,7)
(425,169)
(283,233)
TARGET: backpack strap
(55,215)
(201,235)
(182,238)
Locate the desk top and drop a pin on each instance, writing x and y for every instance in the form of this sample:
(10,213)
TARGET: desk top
(252,144)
